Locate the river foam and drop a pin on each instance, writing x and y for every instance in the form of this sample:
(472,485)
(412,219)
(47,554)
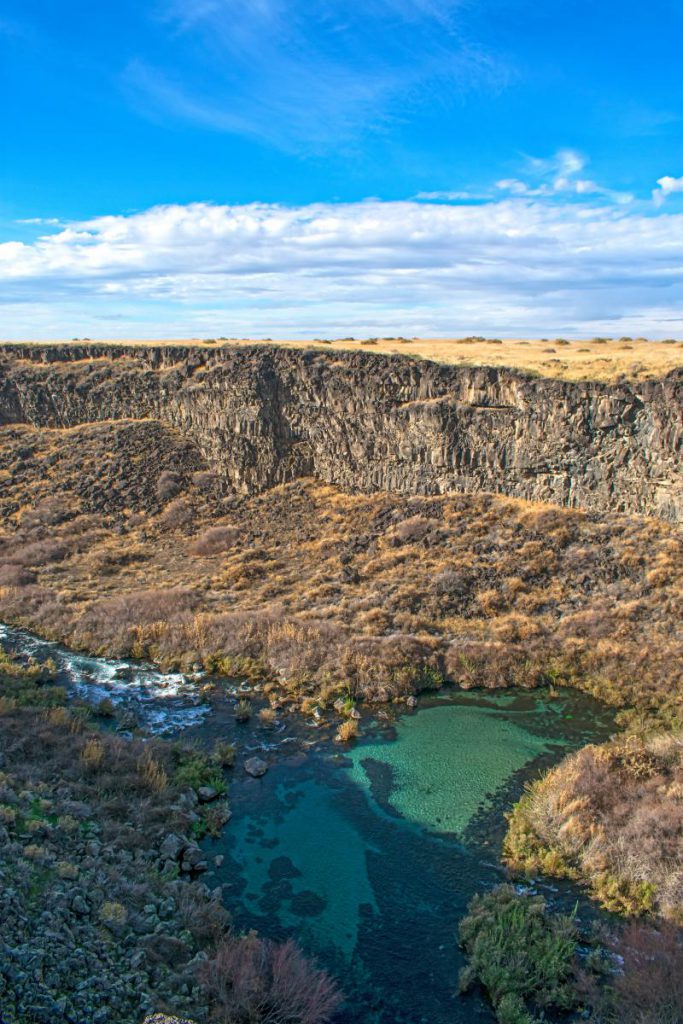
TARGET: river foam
(161,702)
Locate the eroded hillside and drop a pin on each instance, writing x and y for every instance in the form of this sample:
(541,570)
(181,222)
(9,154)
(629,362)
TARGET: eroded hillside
(119,538)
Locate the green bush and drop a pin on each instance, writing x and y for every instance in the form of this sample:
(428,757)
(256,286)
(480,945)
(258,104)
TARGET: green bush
(524,957)
(195,769)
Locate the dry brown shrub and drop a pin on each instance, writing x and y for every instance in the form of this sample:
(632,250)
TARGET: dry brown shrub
(252,979)
(215,539)
(178,515)
(153,774)
(168,485)
(649,990)
(92,754)
(347,730)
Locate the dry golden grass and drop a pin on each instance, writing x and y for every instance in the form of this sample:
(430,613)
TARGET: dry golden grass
(591,359)
(316,589)
(347,731)
(611,815)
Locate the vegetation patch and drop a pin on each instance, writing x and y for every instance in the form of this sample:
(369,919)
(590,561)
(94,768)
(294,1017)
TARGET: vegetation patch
(524,957)
(611,816)
(537,965)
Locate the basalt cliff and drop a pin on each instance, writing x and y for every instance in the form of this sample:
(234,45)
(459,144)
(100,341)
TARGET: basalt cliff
(262,416)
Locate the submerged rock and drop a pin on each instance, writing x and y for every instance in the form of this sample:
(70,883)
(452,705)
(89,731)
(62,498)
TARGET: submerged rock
(255,767)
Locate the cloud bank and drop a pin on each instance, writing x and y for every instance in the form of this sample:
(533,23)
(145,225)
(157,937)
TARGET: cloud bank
(513,265)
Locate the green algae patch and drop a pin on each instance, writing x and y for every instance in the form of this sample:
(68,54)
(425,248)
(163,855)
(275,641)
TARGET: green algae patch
(447,760)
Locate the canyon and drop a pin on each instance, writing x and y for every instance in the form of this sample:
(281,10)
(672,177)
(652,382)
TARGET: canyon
(364,422)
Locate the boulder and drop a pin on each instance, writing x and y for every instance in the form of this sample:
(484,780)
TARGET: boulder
(206,794)
(172,847)
(193,859)
(256,767)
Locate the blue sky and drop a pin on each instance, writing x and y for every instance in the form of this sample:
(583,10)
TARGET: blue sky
(279,167)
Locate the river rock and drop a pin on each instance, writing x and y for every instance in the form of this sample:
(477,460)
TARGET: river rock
(256,767)
(172,847)
(411,701)
(206,794)
(193,859)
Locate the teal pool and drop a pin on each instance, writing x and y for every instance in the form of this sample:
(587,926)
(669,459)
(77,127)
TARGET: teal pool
(370,856)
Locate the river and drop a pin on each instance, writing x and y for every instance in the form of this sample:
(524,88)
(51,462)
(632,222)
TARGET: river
(368,854)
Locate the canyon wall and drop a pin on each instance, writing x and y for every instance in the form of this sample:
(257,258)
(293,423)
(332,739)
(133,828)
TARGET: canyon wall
(364,422)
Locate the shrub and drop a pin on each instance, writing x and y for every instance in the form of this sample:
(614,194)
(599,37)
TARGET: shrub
(649,989)
(168,485)
(223,753)
(347,731)
(152,772)
(112,913)
(195,769)
(92,754)
(214,540)
(243,710)
(178,515)
(260,982)
(523,956)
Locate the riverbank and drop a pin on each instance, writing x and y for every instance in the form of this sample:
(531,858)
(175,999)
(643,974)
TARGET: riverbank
(97,923)
(95,809)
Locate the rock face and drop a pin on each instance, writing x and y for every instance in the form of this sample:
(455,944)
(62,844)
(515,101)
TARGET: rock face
(262,416)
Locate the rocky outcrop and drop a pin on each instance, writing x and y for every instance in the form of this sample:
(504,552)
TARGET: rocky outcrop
(264,415)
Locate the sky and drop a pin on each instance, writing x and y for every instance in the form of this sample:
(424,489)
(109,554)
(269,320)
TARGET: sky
(322,168)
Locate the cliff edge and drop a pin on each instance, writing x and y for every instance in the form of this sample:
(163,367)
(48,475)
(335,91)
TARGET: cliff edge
(368,422)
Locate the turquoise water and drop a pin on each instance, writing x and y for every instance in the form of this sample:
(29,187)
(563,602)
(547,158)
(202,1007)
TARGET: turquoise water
(445,760)
(371,857)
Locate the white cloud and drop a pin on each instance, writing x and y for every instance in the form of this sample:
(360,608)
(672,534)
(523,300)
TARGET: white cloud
(510,266)
(558,176)
(450,197)
(666,187)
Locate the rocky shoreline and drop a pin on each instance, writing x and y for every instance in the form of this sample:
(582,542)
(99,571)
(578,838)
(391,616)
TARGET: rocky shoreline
(104,917)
